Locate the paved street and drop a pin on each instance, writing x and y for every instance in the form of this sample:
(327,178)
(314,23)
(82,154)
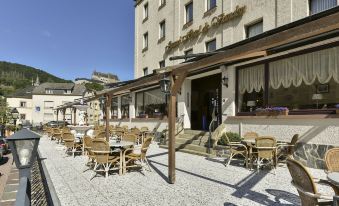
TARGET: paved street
(199,182)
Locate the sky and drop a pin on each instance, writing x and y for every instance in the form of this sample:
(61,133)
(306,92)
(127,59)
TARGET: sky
(69,38)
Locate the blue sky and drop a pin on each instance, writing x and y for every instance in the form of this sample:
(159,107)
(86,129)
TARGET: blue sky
(69,38)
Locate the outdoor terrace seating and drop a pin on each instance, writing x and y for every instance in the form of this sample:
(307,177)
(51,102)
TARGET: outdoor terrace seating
(332,160)
(71,145)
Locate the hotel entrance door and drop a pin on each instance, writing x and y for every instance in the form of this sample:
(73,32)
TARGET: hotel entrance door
(206,93)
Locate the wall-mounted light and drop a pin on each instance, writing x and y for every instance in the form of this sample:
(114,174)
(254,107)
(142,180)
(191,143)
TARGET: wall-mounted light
(165,85)
(225,81)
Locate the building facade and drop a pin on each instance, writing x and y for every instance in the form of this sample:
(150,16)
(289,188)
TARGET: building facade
(37,107)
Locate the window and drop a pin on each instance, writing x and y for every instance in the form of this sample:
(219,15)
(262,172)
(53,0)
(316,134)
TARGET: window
(254,29)
(211,4)
(49,91)
(146,11)
(162,29)
(23,104)
(151,104)
(162,3)
(125,106)
(145,42)
(145,70)
(301,83)
(317,6)
(48,104)
(189,12)
(162,64)
(114,108)
(23,116)
(211,45)
(188,52)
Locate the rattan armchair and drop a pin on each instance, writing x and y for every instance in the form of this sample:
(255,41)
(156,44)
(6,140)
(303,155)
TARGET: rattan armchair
(57,135)
(305,184)
(251,135)
(265,151)
(332,160)
(130,138)
(132,157)
(236,148)
(285,150)
(71,145)
(88,143)
(100,135)
(104,160)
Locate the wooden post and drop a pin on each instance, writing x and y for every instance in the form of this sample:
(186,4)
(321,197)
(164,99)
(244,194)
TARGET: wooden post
(171,133)
(108,106)
(57,115)
(172,111)
(74,116)
(64,116)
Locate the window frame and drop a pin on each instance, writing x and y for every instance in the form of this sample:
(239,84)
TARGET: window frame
(266,87)
(124,106)
(208,42)
(23,104)
(162,29)
(208,5)
(310,7)
(145,71)
(162,64)
(145,13)
(248,26)
(145,41)
(187,20)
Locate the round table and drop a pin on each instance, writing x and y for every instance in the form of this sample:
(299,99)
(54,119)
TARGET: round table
(122,145)
(334,178)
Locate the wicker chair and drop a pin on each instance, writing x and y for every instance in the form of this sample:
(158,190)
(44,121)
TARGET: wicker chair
(57,134)
(88,149)
(285,150)
(103,160)
(305,184)
(131,156)
(332,160)
(265,150)
(236,148)
(251,135)
(71,145)
(144,129)
(130,138)
(135,131)
(100,135)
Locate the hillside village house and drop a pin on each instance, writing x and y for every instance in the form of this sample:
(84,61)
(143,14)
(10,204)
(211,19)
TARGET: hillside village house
(230,59)
(36,104)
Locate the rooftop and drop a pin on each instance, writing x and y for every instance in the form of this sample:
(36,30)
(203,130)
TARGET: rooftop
(77,89)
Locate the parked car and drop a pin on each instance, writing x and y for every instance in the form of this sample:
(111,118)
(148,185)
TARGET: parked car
(3,145)
(26,125)
(57,123)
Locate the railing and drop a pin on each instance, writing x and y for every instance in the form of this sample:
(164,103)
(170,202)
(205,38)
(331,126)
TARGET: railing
(179,123)
(211,129)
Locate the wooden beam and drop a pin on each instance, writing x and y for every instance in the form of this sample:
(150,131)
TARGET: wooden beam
(178,83)
(74,116)
(171,133)
(57,115)
(64,116)
(108,106)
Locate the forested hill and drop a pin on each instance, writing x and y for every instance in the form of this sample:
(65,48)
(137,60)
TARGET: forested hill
(17,76)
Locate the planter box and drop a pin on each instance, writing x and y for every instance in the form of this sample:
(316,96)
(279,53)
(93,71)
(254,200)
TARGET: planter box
(271,113)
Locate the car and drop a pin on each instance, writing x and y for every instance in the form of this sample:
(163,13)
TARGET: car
(57,124)
(3,145)
(26,125)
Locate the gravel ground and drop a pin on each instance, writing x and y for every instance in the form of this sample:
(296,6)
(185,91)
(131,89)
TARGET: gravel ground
(199,181)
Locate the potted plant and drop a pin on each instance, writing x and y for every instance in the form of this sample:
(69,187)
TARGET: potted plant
(271,111)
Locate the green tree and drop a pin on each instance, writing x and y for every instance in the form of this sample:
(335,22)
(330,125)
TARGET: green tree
(94,86)
(4,111)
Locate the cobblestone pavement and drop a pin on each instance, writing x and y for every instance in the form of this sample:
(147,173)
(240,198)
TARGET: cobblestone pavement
(199,181)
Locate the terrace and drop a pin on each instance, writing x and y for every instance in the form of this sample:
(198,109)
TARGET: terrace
(200,181)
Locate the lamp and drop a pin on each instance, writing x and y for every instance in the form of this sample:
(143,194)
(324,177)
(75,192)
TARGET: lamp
(251,104)
(15,115)
(24,145)
(225,81)
(165,85)
(317,97)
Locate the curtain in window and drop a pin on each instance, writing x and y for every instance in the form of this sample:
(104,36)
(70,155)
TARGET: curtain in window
(322,65)
(322,5)
(251,79)
(255,29)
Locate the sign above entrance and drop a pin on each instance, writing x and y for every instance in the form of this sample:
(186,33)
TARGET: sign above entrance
(216,21)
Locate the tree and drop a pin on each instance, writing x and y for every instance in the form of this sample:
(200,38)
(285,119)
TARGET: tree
(94,86)
(4,111)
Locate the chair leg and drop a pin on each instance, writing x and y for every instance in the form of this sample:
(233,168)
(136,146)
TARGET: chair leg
(229,160)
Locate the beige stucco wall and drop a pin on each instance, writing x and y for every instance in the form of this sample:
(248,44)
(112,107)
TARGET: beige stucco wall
(273,12)
(15,103)
(38,101)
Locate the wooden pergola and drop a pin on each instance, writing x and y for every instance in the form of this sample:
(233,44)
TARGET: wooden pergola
(258,46)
